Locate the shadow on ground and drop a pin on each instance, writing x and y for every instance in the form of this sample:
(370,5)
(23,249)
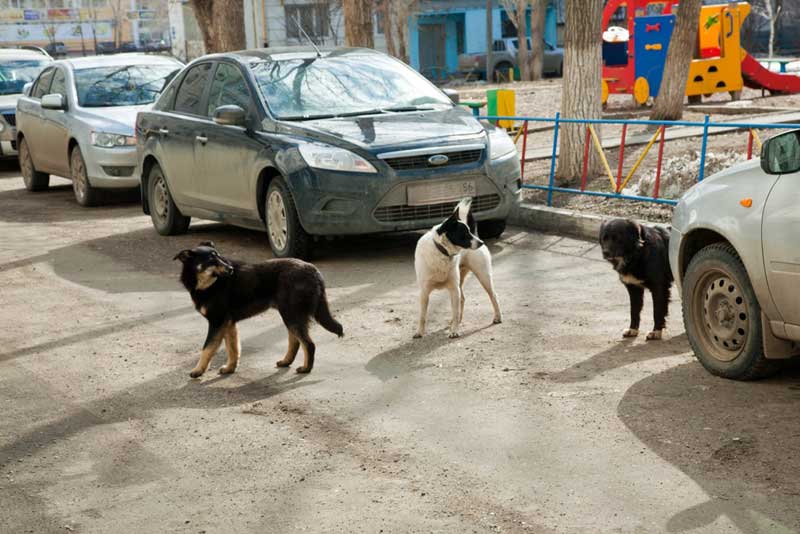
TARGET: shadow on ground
(739,441)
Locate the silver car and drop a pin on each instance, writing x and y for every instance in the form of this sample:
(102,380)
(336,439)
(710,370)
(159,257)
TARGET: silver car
(17,68)
(77,121)
(735,254)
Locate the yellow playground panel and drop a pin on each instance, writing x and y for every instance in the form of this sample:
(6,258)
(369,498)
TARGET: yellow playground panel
(719,68)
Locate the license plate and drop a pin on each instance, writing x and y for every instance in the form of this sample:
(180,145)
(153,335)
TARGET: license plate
(424,194)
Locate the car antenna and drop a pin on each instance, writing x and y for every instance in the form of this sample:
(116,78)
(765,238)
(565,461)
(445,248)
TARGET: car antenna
(300,27)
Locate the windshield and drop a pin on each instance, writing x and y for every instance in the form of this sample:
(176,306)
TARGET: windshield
(355,84)
(129,85)
(15,74)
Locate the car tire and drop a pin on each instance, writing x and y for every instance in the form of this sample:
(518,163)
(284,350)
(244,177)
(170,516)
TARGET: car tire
(167,218)
(501,67)
(560,72)
(491,229)
(85,194)
(287,239)
(33,179)
(722,316)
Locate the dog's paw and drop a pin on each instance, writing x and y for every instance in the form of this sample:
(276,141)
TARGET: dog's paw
(196,373)
(454,335)
(225,370)
(630,332)
(655,335)
(303,370)
(497,320)
(282,363)
(417,335)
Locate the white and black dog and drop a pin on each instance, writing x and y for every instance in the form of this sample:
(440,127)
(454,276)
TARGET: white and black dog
(444,257)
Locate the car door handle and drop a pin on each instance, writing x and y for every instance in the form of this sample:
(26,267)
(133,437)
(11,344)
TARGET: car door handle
(163,131)
(202,139)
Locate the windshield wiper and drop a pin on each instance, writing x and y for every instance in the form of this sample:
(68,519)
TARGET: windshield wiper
(332,115)
(401,109)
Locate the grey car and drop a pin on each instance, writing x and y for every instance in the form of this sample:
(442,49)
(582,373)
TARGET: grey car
(17,68)
(77,120)
(735,254)
(350,141)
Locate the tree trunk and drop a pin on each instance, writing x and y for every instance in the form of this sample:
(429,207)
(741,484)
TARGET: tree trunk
(221,23)
(669,102)
(386,7)
(581,96)
(536,57)
(522,40)
(358,27)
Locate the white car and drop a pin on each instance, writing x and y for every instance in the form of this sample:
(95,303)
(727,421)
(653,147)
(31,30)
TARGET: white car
(77,120)
(17,68)
(735,254)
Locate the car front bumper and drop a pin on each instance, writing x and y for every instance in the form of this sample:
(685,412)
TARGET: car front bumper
(110,168)
(332,203)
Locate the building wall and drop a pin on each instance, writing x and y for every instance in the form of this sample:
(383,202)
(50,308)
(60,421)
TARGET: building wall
(38,22)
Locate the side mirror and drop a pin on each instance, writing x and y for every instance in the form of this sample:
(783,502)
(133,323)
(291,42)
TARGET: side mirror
(54,101)
(26,89)
(453,95)
(230,115)
(781,154)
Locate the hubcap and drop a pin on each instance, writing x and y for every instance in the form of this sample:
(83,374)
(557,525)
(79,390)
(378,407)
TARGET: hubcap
(160,198)
(277,222)
(725,316)
(78,175)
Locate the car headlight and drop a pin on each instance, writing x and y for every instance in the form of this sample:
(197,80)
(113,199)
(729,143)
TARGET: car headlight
(334,159)
(110,140)
(500,144)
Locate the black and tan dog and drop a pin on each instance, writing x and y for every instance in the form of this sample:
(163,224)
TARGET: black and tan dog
(226,291)
(640,255)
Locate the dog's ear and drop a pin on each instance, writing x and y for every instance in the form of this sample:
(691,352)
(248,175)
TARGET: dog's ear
(640,231)
(209,244)
(183,255)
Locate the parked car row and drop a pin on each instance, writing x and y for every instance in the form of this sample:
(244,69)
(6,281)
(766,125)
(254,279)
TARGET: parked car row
(300,144)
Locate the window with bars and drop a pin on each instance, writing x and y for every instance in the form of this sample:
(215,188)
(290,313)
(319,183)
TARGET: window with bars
(314,19)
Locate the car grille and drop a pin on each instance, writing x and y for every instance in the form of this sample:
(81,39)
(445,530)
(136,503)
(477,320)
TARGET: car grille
(11,118)
(433,211)
(421,162)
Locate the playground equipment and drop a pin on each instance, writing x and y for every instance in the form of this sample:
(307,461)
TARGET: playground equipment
(635,66)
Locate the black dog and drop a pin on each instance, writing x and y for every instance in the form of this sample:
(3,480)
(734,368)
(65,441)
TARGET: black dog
(226,292)
(640,255)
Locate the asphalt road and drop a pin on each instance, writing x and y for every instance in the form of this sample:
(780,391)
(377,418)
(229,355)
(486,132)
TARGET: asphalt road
(545,423)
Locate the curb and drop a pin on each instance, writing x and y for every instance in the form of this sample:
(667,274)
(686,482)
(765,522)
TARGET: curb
(561,221)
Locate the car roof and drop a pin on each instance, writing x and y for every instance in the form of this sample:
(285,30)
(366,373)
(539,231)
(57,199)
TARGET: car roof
(118,60)
(21,53)
(294,52)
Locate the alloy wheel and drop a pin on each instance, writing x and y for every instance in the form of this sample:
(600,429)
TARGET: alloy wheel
(277,220)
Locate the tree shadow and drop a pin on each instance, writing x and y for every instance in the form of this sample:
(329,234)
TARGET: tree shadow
(737,440)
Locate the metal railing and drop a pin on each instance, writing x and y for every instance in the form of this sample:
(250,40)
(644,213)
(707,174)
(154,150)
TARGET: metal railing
(617,182)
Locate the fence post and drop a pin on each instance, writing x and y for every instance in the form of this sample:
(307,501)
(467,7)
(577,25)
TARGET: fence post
(524,150)
(658,165)
(702,172)
(621,156)
(750,144)
(585,160)
(552,180)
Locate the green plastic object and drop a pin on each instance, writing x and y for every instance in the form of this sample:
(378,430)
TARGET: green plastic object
(491,100)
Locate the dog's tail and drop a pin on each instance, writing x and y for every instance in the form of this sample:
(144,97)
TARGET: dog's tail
(324,318)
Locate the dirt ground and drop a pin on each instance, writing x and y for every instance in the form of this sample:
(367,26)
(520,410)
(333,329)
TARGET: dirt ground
(543,99)
(547,423)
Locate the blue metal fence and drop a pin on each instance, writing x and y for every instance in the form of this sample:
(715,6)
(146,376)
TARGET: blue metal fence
(706,125)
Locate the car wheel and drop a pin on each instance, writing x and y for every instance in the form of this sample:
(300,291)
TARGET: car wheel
(167,218)
(501,71)
(491,229)
(286,236)
(34,180)
(560,72)
(85,194)
(722,316)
